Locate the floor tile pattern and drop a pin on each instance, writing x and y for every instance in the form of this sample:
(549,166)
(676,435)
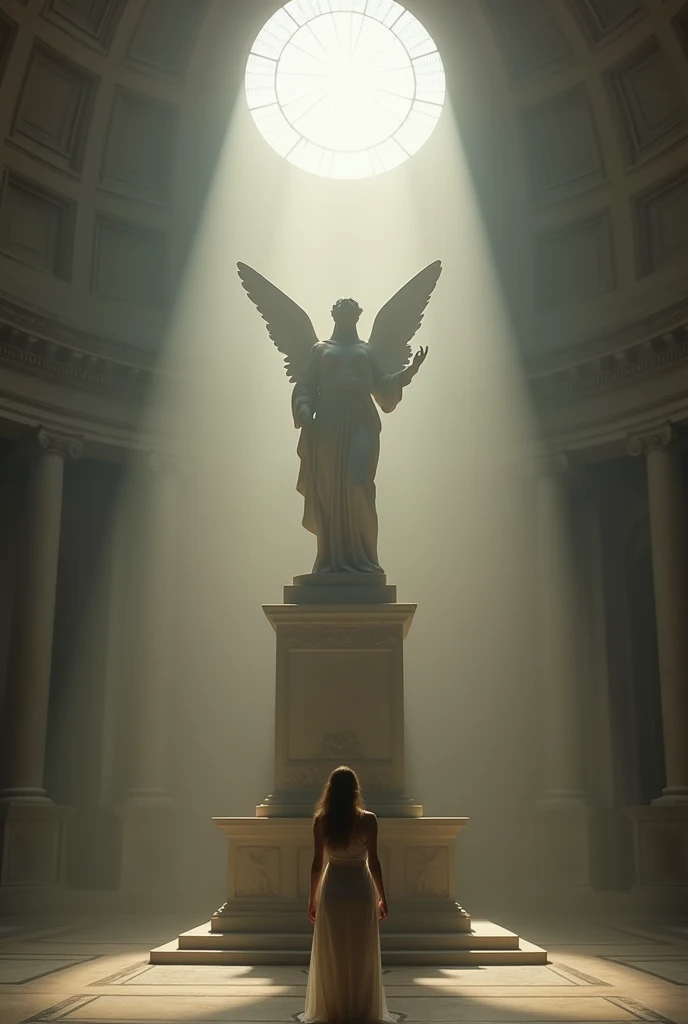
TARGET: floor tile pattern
(95,970)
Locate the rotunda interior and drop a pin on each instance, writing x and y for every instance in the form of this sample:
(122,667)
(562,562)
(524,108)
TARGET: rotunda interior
(531,487)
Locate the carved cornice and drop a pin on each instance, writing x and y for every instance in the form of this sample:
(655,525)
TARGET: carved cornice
(51,329)
(84,369)
(657,437)
(602,371)
(42,345)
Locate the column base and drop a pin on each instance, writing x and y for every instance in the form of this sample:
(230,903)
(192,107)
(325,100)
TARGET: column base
(147,843)
(660,839)
(33,840)
(675,796)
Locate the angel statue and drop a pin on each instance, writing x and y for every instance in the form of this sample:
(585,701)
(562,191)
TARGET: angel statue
(335,382)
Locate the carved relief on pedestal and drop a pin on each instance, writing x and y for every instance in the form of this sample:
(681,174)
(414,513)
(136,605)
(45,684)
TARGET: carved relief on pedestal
(427,871)
(257,871)
(307,776)
(314,776)
(324,691)
(377,776)
(338,745)
(340,637)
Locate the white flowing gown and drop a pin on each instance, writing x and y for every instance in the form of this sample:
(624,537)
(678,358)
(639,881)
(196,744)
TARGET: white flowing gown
(345,976)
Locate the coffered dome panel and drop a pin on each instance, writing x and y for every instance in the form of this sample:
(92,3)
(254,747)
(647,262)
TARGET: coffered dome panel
(574,115)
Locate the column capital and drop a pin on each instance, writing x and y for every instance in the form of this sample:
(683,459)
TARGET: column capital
(68,446)
(658,437)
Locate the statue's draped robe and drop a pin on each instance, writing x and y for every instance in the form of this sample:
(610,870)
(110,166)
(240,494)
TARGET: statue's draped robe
(339,452)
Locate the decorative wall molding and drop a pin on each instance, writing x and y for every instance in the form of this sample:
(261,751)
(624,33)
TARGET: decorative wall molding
(529,36)
(575,262)
(51,330)
(661,224)
(58,361)
(605,19)
(339,638)
(129,262)
(93,23)
(36,225)
(562,146)
(55,131)
(139,148)
(649,101)
(597,372)
(164,36)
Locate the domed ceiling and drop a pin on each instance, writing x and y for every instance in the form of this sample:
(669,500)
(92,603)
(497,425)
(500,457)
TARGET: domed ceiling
(574,114)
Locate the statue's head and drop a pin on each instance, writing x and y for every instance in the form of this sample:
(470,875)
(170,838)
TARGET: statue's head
(346,312)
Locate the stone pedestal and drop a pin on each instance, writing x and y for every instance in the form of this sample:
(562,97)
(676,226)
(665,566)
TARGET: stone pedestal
(269,876)
(339,699)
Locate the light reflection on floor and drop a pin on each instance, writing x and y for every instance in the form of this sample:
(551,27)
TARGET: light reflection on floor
(95,971)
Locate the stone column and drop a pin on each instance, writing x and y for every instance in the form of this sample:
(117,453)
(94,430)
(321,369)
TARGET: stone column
(33,825)
(146,810)
(661,829)
(557,639)
(562,827)
(670,571)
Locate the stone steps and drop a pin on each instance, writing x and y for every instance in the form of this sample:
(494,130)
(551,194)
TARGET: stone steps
(487,943)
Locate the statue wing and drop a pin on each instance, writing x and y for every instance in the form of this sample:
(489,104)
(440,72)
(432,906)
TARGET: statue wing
(288,325)
(400,318)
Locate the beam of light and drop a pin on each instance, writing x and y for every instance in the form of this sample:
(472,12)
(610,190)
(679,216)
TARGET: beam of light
(456,517)
(345,89)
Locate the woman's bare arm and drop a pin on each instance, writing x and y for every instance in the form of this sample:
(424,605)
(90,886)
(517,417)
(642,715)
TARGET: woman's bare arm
(374,861)
(316,868)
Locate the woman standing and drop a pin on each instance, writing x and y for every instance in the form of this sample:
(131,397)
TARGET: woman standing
(347,898)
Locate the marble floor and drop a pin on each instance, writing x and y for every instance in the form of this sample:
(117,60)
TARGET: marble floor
(96,971)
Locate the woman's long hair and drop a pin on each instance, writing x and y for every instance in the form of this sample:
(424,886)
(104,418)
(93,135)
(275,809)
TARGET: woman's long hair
(339,806)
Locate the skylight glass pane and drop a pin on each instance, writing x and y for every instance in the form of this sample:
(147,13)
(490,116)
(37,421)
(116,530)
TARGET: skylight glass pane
(345,88)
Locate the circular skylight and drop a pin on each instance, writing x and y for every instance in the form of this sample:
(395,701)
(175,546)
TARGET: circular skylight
(345,88)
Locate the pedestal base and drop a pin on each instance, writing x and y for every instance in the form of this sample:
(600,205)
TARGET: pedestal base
(32,848)
(341,588)
(270,861)
(264,920)
(486,944)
